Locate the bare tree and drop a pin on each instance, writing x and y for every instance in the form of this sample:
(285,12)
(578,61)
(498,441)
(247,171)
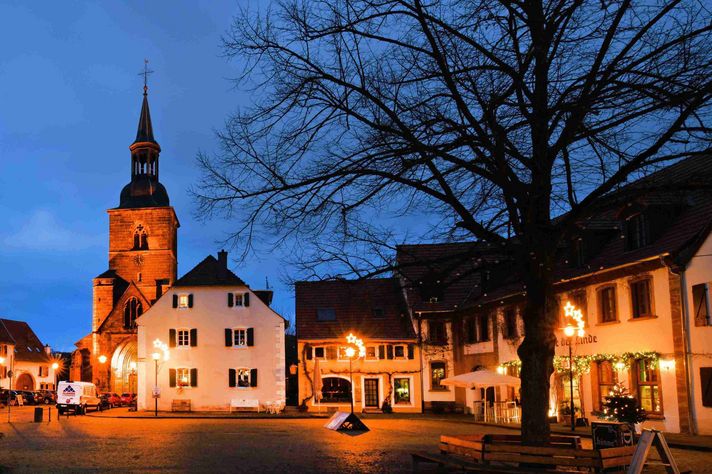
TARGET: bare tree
(505,121)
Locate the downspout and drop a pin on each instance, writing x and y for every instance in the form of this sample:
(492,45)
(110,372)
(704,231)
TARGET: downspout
(687,344)
(422,374)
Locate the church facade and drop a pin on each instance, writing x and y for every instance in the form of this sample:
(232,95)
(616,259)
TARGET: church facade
(142,265)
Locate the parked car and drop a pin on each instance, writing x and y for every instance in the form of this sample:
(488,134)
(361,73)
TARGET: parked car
(127,399)
(104,401)
(47,397)
(4,395)
(114,399)
(29,397)
(77,397)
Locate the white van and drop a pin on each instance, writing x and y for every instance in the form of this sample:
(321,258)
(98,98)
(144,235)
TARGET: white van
(76,396)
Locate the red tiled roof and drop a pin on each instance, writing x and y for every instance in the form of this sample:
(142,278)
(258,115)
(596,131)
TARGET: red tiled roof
(28,346)
(209,272)
(353,302)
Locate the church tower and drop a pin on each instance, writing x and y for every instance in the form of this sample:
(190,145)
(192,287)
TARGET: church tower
(143,261)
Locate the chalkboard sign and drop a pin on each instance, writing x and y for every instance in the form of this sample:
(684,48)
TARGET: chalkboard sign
(611,434)
(345,421)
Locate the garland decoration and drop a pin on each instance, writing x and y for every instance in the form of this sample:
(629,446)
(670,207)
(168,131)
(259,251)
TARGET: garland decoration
(582,363)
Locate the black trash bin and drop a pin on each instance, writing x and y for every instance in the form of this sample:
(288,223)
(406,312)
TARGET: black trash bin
(38,414)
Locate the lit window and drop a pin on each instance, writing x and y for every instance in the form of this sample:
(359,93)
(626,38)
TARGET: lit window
(371,353)
(243,377)
(607,304)
(183,301)
(607,378)
(183,377)
(183,337)
(238,299)
(401,391)
(240,337)
(648,381)
(437,373)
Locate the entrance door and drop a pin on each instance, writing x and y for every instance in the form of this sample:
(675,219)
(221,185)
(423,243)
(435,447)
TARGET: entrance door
(370,392)
(25,382)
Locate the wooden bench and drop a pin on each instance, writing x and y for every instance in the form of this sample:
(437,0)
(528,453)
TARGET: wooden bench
(180,405)
(504,453)
(244,403)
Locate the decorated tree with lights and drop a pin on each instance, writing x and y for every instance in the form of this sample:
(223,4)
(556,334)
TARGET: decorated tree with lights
(622,406)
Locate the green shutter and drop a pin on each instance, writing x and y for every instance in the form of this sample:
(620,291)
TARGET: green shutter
(228,337)
(193,377)
(171,338)
(231,377)
(172,377)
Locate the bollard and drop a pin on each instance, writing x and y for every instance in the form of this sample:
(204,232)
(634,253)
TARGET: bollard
(38,414)
(49,414)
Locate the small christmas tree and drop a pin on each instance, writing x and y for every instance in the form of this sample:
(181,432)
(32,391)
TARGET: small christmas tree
(621,406)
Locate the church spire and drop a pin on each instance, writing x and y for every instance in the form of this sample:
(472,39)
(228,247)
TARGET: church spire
(144,134)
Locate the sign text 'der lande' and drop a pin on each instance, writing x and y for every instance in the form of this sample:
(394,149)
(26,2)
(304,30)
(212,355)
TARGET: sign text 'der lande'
(588,339)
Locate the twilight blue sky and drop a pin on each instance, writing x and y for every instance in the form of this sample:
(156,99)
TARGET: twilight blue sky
(70,97)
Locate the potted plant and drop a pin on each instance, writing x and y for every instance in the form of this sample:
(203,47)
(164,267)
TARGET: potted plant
(386,407)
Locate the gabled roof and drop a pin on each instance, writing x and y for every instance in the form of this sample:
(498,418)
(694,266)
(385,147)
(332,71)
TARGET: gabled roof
(209,272)
(131,291)
(353,303)
(28,346)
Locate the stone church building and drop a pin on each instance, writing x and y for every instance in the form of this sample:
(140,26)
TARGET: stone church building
(143,242)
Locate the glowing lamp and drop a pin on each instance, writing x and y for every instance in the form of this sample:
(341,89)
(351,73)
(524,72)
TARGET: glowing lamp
(501,370)
(350,352)
(667,364)
(620,365)
(102,359)
(2,360)
(569,331)
(156,356)
(55,366)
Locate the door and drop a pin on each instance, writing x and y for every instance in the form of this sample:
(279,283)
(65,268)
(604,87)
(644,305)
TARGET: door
(370,393)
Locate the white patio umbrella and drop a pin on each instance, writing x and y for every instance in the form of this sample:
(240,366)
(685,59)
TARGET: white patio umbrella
(316,382)
(482,379)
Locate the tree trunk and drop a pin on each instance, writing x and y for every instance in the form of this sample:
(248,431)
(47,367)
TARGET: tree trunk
(537,355)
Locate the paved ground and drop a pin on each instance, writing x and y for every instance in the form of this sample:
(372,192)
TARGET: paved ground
(92,443)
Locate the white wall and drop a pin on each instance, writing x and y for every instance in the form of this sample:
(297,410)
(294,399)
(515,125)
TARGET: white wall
(211,315)
(699,270)
(437,353)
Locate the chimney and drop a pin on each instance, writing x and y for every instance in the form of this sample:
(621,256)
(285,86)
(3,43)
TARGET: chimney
(48,350)
(222,260)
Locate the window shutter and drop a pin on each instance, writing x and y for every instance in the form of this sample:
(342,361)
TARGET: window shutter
(193,377)
(193,337)
(250,336)
(172,377)
(171,338)
(309,350)
(411,351)
(699,304)
(231,376)
(253,377)
(381,352)
(389,351)
(706,383)
(175,301)
(246,299)
(228,337)
(331,352)
(190,300)
(230,300)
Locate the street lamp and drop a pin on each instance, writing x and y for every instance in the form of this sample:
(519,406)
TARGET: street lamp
(156,357)
(55,366)
(570,330)
(350,353)
(355,349)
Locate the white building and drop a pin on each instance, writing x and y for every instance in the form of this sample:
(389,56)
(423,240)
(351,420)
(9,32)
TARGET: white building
(224,344)
(25,357)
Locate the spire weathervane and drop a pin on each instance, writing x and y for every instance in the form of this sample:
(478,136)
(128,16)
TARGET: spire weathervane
(145,74)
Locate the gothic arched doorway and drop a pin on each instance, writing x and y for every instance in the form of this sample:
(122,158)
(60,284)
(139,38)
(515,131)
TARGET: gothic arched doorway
(123,368)
(25,382)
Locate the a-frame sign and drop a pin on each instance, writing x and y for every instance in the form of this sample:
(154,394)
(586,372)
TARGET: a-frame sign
(640,456)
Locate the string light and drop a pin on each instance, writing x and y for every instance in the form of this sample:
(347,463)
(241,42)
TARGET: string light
(351,339)
(582,363)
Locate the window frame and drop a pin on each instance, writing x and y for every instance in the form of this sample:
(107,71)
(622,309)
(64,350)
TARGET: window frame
(651,305)
(410,401)
(179,377)
(183,301)
(238,371)
(323,356)
(701,304)
(438,387)
(235,332)
(375,353)
(404,347)
(440,341)
(510,332)
(601,385)
(178,337)
(657,383)
(600,302)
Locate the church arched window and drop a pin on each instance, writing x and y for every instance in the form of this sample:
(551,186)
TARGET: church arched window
(132,310)
(140,238)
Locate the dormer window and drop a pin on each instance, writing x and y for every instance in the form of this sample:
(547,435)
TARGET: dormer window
(637,231)
(325,314)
